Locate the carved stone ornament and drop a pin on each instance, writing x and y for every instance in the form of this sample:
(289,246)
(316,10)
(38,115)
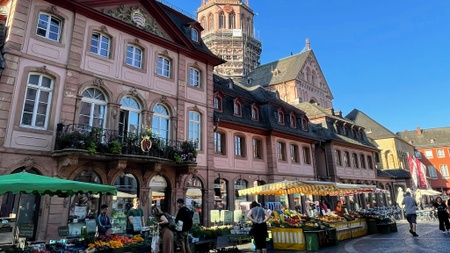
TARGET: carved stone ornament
(53,10)
(42,69)
(133,91)
(98,82)
(28,162)
(163,99)
(103,29)
(137,17)
(146,143)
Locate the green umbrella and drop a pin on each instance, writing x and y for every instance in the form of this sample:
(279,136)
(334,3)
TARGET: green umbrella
(24,182)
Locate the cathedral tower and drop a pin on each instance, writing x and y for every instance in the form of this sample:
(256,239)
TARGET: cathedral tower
(228,33)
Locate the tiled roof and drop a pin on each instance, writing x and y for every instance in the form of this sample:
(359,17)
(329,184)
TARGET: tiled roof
(374,129)
(287,69)
(314,112)
(427,138)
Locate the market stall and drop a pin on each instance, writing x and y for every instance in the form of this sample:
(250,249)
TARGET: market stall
(295,231)
(27,183)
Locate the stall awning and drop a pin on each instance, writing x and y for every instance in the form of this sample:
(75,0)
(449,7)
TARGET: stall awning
(307,188)
(25,182)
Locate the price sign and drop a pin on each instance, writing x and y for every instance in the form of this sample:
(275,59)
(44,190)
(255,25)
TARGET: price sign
(227,216)
(214,215)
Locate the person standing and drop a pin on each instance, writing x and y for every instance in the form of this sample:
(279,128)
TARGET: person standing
(103,221)
(134,224)
(442,215)
(338,210)
(258,216)
(410,212)
(165,233)
(184,215)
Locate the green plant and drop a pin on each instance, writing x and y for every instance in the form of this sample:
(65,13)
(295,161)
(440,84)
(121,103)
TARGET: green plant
(115,147)
(92,148)
(177,158)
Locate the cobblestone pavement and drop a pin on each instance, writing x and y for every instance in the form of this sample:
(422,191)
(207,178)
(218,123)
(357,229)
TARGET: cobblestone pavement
(430,240)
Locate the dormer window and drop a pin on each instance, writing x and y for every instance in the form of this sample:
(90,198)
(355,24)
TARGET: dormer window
(280,117)
(230,84)
(255,112)
(293,120)
(305,123)
(237,107)
(218,101)
(194,34)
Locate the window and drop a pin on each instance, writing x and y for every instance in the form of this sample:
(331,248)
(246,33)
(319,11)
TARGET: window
(231,20)
(304,124)
(362,159)
(293,120)
(257,148)
(346,159)
(134,56)
(237,108)
(306,155)
(369,162)
(239,146)
(221,20)
(194,77)
(36,107)
(130,117)
(294,154)
(218,103)
(338,158)
(194,35)
(440,153)
(255,112)
(432,171)
(92,108)
(194,132)
(100,45)
(281,151)
(164,66)
(161,122)
(428,153)
(280,117)
(355,160)
(444,171)
(49,27)
(419,155)
(219,143)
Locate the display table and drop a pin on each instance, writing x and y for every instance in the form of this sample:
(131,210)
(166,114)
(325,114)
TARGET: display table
(316,239)
(350,229)
(288,239)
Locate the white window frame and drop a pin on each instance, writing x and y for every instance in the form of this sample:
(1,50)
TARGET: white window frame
(160,116)
(440,153)
(103,47)
(428,153)
(130,105)
(194,77)
(444,171)
(47,26)
(195,128)
(194,34)
(36,104)
(93,101)
(134,56)
(432,172)
(164,66)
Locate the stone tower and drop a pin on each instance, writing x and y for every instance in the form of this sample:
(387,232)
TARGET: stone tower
(228,33)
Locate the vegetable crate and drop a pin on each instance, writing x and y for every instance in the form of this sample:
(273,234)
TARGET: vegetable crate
(288,239)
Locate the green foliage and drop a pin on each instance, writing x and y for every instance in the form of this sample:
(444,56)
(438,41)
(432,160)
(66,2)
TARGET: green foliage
(115,147)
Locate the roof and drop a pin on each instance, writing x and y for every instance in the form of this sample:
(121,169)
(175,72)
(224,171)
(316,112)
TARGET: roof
(374,129)
(328,118)
(268,105)
(288,67)
(394,173)
(427,138)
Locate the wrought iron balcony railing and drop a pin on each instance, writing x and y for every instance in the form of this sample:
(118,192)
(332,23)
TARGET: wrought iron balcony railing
(105,141)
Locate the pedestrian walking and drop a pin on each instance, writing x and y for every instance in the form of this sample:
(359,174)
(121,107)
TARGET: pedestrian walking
(166,234)
(410,212)
(103,220)
(258,216)
(184,215)
(442,212)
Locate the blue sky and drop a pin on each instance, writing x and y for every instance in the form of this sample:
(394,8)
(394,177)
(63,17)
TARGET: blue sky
(387,58)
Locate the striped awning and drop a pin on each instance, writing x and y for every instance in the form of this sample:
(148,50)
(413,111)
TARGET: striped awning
(321,188)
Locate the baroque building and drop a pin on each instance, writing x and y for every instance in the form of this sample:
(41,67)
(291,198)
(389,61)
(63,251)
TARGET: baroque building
(229,33)
(109,92)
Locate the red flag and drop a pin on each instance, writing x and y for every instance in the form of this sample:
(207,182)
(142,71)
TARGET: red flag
(421,170)
(413,170)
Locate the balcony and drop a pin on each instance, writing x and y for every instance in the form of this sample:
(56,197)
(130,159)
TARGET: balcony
(98,142)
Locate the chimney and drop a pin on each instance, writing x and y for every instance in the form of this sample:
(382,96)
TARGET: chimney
(419,132)
(308,45)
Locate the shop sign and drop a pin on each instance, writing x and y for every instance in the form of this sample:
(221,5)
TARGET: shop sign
(26,230)
(158,181)
(63,231)
(6,228)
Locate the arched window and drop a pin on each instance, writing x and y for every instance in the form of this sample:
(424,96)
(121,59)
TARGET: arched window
(93,108)
(232,20)
(130,117)
(194,195)
(210,22)
(127,189)
(161,122)
(221,20)
(220,194)
(239,185)
(159,192)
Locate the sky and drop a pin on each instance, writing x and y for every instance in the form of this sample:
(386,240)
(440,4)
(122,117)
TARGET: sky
(387,58)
